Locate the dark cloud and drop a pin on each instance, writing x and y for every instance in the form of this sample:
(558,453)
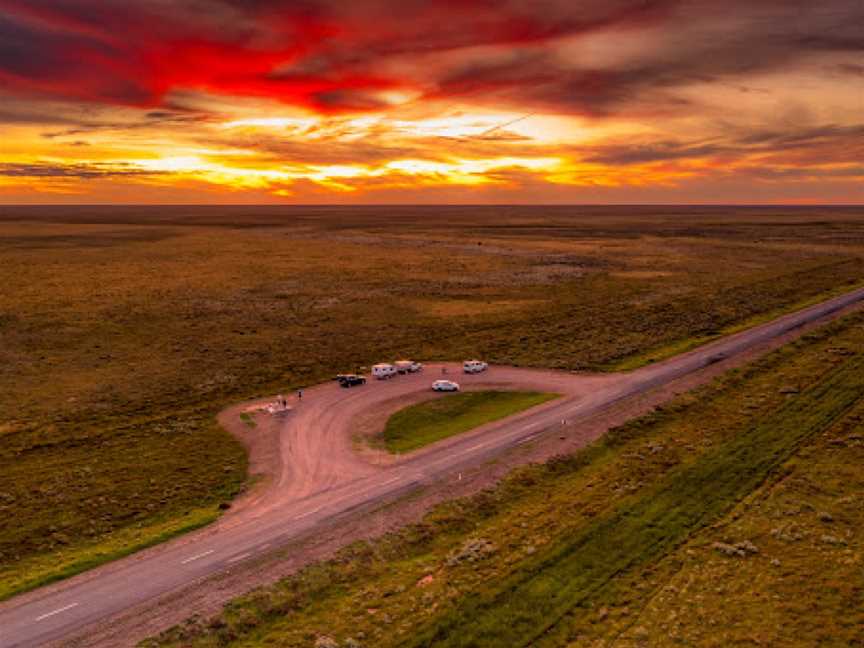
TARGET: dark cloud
(654,152)
(65,133)
(809,173)
(35,59)
(852,69)
(805,137)
(334,56)
(163,119)
(828,143)
(348,99)
(700,42)
(76,171)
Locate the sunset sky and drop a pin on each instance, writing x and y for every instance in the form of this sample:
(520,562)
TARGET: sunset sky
(406,101)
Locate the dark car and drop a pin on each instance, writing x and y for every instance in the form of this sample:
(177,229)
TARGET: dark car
(351,380)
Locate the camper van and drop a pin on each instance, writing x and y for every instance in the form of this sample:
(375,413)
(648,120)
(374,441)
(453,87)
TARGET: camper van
(407,366)
(474,366)
(383,371)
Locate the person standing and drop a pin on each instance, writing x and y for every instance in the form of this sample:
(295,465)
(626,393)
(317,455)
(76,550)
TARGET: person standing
(300,394)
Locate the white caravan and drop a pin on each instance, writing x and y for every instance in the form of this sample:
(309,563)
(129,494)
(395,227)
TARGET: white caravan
(383,371)
(407,366)
(474,366)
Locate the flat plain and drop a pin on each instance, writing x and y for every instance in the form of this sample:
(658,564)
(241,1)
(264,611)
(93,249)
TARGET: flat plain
(125,330)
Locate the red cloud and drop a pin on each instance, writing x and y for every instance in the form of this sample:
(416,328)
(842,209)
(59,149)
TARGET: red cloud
(332,55)
(83,51)
(316,53)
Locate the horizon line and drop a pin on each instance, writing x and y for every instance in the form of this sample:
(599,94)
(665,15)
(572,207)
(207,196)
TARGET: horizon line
(490,204)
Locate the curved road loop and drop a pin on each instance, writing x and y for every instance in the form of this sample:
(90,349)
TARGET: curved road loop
(322,478)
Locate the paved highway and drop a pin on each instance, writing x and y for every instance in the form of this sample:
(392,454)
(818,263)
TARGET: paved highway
(321,478)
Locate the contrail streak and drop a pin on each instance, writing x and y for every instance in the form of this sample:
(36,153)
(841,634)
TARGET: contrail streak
(500,126)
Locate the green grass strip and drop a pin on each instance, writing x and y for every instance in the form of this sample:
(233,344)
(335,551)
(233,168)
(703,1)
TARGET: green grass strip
(529,603)
(425,423)
(44,570)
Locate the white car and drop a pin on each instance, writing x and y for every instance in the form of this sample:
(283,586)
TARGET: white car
(445,386)
(474,366)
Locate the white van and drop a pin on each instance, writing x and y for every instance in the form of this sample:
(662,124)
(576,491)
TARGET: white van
(407,366)
(474,366)
(383,371)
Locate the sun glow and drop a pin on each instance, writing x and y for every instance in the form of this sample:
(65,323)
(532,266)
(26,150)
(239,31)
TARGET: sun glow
(468,126)
(270,123)
(342,177)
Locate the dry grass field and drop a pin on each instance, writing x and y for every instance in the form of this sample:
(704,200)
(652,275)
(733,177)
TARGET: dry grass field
(124,330)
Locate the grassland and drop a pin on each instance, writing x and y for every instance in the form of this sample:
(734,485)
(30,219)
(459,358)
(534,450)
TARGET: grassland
(125,330)
(730,517)
(419,425)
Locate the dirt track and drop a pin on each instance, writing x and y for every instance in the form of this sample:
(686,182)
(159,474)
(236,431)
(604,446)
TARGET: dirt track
(316,478)
(310,450)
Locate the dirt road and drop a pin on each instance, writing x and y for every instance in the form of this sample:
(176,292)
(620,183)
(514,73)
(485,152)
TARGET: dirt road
(314,446)
(316,474)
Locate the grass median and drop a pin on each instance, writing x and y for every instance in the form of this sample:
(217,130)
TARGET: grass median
(431,421)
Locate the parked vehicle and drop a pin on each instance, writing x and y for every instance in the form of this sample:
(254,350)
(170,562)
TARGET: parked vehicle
(407,366)
(445,386)
(383,371)
(351,380)
(474,366)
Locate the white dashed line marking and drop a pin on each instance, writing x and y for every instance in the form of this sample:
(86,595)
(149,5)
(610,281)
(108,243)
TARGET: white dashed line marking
(479,445)
(201,555)
(307,514)
(238,558)
(58,611)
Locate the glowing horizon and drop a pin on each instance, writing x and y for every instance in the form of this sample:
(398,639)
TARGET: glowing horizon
(316,102)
